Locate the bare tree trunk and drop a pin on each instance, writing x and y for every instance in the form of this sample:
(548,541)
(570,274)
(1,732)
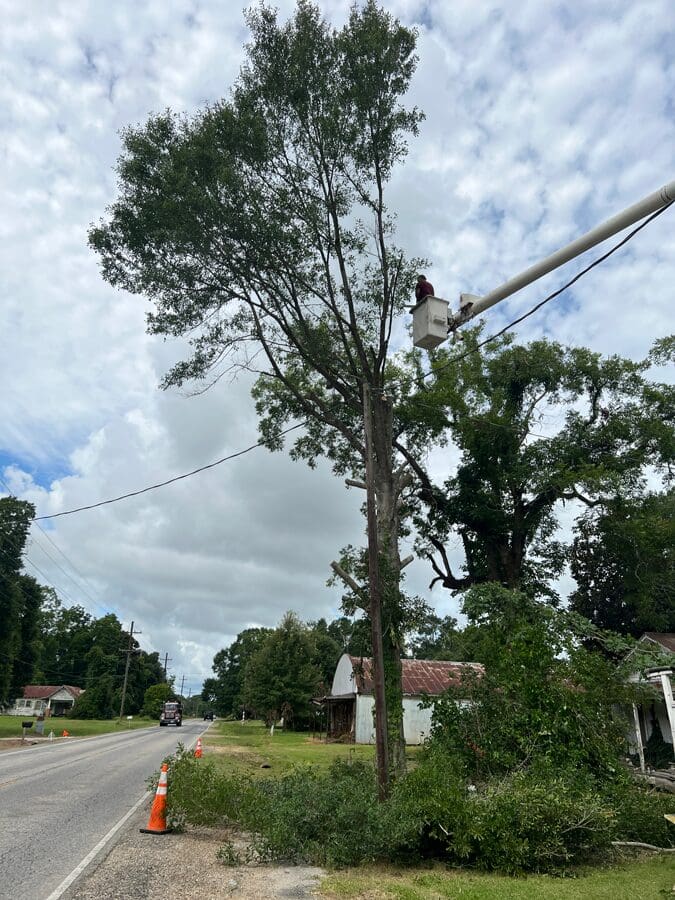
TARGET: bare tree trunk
(389,565)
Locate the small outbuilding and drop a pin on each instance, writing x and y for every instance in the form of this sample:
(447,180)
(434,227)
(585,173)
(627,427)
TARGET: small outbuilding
(46,700)
(350,703)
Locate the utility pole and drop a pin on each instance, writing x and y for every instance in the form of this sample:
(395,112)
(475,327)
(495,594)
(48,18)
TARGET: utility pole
(167,660)
(128,652)
(182,682)
(381,735)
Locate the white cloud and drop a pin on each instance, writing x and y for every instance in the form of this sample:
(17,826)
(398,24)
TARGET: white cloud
(542,120)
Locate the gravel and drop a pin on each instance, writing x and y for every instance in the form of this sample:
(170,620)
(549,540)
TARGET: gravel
(184,867)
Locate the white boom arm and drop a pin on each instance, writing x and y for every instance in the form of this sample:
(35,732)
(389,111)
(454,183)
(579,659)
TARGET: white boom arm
(471,305)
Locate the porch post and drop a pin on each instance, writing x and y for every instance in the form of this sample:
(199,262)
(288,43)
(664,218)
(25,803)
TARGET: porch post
(638,736)
(668,697)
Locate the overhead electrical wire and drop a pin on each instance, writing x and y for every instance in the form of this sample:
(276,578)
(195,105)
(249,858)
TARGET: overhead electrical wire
(551,296)
(79,587)
(419,381)
(153,487)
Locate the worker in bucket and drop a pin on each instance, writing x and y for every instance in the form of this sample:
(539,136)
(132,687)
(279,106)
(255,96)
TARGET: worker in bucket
(423,288)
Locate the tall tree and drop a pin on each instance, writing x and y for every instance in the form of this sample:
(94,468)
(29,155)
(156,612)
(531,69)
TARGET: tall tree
(15,520)
(280,678)
(325,653)
(27,660)
(66,640)
(259,229)
(224,691)
(623,561)
(604,425)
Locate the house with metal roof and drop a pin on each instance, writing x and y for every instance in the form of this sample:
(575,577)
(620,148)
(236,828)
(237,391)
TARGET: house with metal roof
(660,709)
(350,703)
(45,700)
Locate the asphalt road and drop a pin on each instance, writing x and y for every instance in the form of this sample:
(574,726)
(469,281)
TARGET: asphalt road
(58,800)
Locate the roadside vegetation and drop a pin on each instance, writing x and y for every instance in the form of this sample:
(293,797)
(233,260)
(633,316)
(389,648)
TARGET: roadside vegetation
(528,777)
(10,726)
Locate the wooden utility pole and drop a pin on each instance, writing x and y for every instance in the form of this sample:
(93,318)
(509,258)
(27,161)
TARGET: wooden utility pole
(128,652)
(167,660)
(182,682)
(375,592)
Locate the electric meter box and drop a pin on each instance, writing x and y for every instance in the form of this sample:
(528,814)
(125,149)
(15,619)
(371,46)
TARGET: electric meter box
(430,322)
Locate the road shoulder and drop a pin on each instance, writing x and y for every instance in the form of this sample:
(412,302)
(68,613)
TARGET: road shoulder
(184,866)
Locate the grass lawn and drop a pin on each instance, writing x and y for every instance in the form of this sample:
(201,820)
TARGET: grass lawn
(10,726)
(644,880)
(243,747)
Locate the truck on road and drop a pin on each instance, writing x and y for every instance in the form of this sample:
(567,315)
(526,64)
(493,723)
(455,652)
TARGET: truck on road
(171,714)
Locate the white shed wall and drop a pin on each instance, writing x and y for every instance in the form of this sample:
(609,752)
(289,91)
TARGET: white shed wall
(416,721)
(364,732)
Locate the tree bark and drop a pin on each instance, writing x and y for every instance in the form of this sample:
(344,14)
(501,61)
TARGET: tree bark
(387,487)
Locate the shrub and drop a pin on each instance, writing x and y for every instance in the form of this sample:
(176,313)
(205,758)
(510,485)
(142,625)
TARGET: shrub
(540,819)
(328,818)
(639,812)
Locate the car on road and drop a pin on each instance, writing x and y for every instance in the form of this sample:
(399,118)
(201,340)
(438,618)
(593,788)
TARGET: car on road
(209,715)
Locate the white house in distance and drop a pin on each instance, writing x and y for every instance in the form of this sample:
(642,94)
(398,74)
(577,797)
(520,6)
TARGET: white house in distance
(350,703)
(45,700)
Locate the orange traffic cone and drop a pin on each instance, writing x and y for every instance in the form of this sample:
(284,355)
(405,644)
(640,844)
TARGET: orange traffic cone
(157,822)
(65,733)
(198,749)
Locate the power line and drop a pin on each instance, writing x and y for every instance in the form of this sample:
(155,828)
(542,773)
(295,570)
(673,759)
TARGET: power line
(50,557)
(419,381)
(153,487)
(547,299)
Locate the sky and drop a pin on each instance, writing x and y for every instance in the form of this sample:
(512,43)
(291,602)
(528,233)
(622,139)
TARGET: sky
(542,120)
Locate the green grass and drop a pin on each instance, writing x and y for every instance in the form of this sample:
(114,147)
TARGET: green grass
(645,880)
(10,726)
(243,747)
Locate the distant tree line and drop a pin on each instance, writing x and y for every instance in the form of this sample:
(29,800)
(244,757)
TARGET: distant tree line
(43,642)
(270,673)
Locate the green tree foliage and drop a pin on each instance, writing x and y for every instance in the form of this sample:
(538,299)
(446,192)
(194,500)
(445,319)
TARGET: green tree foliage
(260,231)
(27,660)
(224,691)
(65,641)
(623,561)
(441,638)
(352,634)
(500,406)
(543,700)
(326,652)
(280,678)
(17,598)
(154,697)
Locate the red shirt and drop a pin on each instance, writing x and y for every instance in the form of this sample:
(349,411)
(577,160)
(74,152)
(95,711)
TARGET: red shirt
(423,289)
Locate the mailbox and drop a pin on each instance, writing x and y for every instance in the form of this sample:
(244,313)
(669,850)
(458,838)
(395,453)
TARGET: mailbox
(430,322)
(27,724)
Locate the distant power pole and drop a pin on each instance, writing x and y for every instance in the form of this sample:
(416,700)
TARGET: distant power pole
(182,682)
(167,660)
(128,652)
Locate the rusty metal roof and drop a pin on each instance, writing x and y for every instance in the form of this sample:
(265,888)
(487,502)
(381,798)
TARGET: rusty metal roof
(420,676)
(665,639)
(44,691)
